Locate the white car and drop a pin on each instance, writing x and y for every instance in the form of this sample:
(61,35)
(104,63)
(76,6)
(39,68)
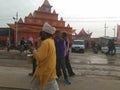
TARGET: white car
(104,49)
(78,46)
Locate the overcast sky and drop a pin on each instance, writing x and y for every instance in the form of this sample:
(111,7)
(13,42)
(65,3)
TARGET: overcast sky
(88,14)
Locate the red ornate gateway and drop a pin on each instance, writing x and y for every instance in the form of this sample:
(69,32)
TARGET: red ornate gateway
(83,35)
(32,24)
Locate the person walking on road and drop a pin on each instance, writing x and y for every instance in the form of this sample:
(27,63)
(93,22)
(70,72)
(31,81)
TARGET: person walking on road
(67,60)
(111,48)
(61,53)
(8,45)
(34,64)
(45,76)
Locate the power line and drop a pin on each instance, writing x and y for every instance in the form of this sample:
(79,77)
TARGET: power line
(77,17)
(92,17)
(93,21)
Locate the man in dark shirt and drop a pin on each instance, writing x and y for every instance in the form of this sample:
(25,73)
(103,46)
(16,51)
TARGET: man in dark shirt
(67,60)
(22,42)
(60,55)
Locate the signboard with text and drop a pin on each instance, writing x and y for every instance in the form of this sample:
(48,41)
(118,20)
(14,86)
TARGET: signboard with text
(118,33)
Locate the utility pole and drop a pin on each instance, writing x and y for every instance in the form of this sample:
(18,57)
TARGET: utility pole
(16,26)
(114,31)
(105,29)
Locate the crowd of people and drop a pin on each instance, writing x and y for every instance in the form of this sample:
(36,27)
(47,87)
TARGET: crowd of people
(51,60)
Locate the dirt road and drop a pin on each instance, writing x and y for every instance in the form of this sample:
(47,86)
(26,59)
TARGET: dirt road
(93,72)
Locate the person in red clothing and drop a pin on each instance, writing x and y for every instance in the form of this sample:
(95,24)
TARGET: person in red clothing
(8,45)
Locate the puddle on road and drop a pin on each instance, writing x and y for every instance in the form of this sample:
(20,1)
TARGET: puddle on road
(96,65)
(97,60)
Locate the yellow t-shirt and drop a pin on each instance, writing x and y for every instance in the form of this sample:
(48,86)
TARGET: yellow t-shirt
(46,62)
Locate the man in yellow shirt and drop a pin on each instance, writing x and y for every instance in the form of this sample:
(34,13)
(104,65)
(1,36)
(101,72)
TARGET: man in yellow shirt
(45,76)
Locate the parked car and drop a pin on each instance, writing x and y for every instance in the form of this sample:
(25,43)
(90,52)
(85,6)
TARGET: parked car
(104,49)
(78,46)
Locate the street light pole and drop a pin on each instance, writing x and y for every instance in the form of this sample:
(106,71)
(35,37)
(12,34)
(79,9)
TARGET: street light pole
(16,26)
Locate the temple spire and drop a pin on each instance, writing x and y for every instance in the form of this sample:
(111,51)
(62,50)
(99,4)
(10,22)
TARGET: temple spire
(54,12)
(46,3)
(61,19)
(20,20)
(30,15)
(46,7)
(68,26)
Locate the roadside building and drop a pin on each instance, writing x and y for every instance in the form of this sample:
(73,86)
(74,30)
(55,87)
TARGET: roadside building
(33,23)
(6,34)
